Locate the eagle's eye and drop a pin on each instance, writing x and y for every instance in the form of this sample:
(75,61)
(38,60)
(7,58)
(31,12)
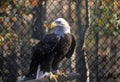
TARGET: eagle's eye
(59,22)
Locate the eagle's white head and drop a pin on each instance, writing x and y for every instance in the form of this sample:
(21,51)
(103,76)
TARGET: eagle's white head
(61,26)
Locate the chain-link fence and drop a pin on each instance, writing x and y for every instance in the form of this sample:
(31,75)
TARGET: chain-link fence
(95,24)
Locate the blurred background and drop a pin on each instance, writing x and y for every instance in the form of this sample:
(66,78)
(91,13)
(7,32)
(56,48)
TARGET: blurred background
(94,23)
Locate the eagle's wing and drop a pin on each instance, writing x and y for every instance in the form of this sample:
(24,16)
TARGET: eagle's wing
(44,47)
(47,44)
(72,48)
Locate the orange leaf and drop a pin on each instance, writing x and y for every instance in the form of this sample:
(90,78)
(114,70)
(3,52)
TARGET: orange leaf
(2,8)
(15,1)
(1,19)
(117,3)
(107,2)
(14,19)
(1,38)
(111,27)
(118,61)
(35,3)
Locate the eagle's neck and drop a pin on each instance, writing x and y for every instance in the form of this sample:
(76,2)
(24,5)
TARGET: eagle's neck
(61,31)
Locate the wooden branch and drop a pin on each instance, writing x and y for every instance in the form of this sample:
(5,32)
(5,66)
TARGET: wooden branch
(61,78)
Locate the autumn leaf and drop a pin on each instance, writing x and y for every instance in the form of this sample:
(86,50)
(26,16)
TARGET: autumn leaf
(117,4)
(3,8)
(107,2)
(118,61)
(46,24)
(108,17)
(14,19)
(1,38)
(35,3)
(1,19)
(111,27)
(15,1)
(106,51)
(100,22)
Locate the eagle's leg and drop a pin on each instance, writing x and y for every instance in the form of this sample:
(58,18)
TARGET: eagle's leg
(53,76)
(55,68)
(45,75)
(59,73)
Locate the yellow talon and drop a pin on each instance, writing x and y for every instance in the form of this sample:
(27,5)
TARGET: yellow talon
(53,76)
(61,74)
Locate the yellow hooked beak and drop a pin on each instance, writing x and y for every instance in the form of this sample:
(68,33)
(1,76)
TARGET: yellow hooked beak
(53,25)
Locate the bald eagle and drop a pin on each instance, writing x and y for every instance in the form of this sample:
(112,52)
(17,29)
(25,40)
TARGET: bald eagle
(50,51)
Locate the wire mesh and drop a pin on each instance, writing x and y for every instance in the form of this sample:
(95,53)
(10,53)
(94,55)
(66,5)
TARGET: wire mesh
(95,24)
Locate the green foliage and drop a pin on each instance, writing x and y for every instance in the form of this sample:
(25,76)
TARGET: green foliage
(107,18)
(15,23)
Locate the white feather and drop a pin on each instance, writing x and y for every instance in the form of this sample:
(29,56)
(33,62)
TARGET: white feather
(45,74)
(62,27)
(23,78)
(39,73)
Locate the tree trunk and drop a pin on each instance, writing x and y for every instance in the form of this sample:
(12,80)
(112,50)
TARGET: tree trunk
(39,17)
(80,59)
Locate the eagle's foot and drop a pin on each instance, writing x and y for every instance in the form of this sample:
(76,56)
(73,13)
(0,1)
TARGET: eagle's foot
(61,74)
(54,76)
